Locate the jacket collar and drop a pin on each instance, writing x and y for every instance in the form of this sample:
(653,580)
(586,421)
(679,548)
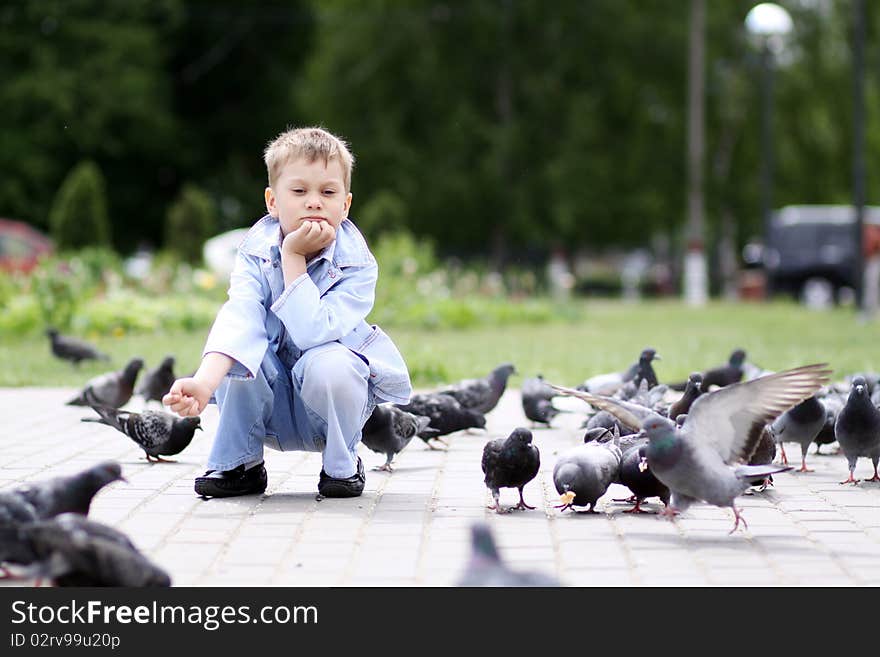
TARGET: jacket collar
(263,240)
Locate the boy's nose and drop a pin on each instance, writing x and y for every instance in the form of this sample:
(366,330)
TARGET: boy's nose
(313,202)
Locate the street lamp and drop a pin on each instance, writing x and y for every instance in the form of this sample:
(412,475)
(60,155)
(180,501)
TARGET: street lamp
(768,23)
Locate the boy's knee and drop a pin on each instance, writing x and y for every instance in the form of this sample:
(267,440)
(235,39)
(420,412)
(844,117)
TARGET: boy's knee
(335,372)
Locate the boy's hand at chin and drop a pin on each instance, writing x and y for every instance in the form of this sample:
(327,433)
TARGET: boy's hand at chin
(309,238)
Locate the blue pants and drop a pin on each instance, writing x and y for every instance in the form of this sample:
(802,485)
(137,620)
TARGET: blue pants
(318,406)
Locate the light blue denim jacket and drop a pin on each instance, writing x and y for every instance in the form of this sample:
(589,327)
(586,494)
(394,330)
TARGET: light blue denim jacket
(330,302)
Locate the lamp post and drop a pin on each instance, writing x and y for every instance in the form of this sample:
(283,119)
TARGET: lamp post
(768,23)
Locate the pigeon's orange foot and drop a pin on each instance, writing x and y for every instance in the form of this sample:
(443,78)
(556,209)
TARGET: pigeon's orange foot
(804,468)
(637,508)
(876,477)
(632,499)
(738,517)
(521,506)
(669,512)
(564,507)
(850,480)
(385,467)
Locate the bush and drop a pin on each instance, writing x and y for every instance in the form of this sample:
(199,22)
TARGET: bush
(190,221)
(78,216)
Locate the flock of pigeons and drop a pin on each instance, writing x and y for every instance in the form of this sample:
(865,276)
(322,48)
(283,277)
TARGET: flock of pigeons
(709,439)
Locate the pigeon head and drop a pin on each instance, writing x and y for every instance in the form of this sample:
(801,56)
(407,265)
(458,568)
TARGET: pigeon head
(192,423)
(656,427)
(105,473)
(52,333)
(859,386)
(86,484)
(648,355)
(521,435)
(595,434)
(479,420)
(696,378)
(133,367)
(737,357)
(483,544)
(680,418)
(167,363)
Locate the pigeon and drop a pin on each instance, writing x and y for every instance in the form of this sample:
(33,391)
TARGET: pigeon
(608,384)
(703,459)
(110,389)
(644,370)
(73,349)
(156,432)
(158,382)
(481,395)
(692,390)
(763,454)
(75,551)
(485,567)
(388,430)
(582,474)
(445,413)
(68,493)
(641,481)
(722,376)
(799,424)
(858,429)
(510,462)
(537,401)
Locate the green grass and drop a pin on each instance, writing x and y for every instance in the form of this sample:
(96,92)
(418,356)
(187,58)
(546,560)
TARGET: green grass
(608,337)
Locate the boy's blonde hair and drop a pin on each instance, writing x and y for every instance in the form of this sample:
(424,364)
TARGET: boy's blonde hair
(310,143)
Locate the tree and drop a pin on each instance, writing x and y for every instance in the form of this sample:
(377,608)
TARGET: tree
(79,212)
(191,220)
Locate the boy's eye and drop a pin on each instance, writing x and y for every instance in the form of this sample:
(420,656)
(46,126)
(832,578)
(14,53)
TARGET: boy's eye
(297,190)
(329,192)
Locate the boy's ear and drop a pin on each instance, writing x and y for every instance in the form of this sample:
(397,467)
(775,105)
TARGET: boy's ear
(270,202)
(347,205)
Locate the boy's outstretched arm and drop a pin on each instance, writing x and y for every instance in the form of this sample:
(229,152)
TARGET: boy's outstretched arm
(189,396)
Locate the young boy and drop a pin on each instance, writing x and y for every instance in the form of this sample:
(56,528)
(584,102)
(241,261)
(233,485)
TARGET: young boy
(290,360)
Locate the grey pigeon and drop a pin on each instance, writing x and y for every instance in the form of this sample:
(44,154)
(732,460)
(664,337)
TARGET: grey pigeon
(510,462)
(68,493)
(611,382)
(72,349)
(858,429)
(537,400)
(110,389)
(447,415)
(481,395)
(799,424)
(75,551)
(388,430)
(583,474)
(158,382)
(703,459)
(692,390)
(485,567)
(156,432)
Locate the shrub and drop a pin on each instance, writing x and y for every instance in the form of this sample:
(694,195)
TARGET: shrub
(190,221)
(78,216)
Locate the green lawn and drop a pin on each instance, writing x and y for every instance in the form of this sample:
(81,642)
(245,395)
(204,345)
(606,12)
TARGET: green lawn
(608,337)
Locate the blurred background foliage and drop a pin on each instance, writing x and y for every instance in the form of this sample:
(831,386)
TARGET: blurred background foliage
(498,129)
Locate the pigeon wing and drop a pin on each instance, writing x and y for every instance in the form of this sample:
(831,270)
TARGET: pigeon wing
(631,415)
(730,420)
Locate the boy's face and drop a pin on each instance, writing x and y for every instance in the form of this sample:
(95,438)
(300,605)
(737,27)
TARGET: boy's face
(308,191)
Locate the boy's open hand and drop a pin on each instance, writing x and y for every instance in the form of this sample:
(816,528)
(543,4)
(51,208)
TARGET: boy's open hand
(187,397)
(309,238)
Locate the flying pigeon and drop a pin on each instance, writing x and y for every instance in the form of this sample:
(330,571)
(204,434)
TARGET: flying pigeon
(388,430)
(702,459)
(510,462)
(156,432)
(485,567)
(73,349)
(582,474)
(75,551)
(692,390)
(799,424)
(110,389)
(445,413)
(858,429)
(481,395)
(723,375)
(537,400)
(158,382)
(68,493)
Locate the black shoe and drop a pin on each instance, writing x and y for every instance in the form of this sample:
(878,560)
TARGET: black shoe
(351,486)
(231,483)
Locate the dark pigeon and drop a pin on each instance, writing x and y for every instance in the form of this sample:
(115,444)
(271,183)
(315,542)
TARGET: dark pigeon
(485,567)
(858,429)
(510,462)
(763,454)
(73,349)
(692,390)
(69,493)
(156,432)
(583,474)
(799,424)
(644,370)
(388,430)
(110,389)
(537,401)
(158,382)
(611,382)
(75,551)
(702,459)
(640,480)
(723,375)
(446,415)
(481,395)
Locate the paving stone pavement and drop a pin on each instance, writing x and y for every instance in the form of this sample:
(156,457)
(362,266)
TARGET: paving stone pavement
(411,527)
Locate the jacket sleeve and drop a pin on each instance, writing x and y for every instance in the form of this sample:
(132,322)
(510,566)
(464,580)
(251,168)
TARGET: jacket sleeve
(239,331)
(312,319)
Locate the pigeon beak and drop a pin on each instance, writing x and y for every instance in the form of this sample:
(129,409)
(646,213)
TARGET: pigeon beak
(657,357)
(643,464)
(122,478)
